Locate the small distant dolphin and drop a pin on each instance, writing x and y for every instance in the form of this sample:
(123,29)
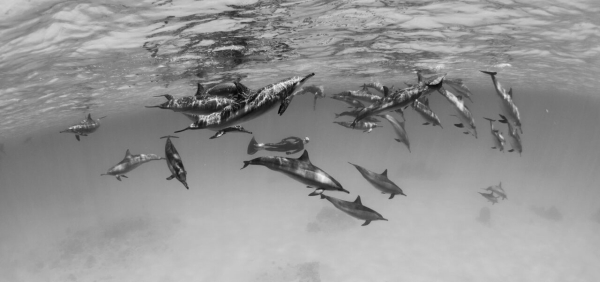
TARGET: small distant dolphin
(174,162)
(513,137)
(360,95)
(85,127)
(422,108)
(380,181)
(508,106)
(463,113)
(498,190)
(129,163)
(355,209)
(237,128)
(490,197)
(402,98)
(354,113)
(317,91)
(352,102)
(302,170)
(498,138)
(399,129)
(460,87)
(255,105)
(361,125)
(193,105)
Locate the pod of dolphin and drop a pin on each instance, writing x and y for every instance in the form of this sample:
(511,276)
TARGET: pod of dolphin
(224,107)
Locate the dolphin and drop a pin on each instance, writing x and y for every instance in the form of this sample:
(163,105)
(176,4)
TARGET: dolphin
(498,138)
(508,106)
(85,127)
(463,113)
(360,95)
(460,87)
(236,128)
(352,102)
(377,86)
(354,113)
(422,108)
(490,197)
(513,137)
(193,105)
(498,190)
(235,90)
(302,170)
(258,103)
(317,91)
(355,209)
(174,162)
(402,98)
(361,125)
(129,163)
(399,129)
(380,181)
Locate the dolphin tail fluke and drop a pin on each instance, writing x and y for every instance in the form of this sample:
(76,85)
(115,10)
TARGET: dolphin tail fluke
(492,73)
(253,147)
(246,163)
(317,192)
(366,223)
(169,136)
(77,137)
(392,196)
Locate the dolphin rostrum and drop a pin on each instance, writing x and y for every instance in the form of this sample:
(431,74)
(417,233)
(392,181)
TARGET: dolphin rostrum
(174,162)
(236,128)
(421,106)
(399,129)
(380,181)
(300,169)
(355,209)
(129,163)
(361,125)
(258,103)
(498,138)
(85,127)
(463,113)
(508,106)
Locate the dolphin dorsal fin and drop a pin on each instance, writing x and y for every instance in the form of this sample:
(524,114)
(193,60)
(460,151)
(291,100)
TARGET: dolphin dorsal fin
(384,172)
(304,157)
(89,117)
(510,92)
(199,91)
(127,154)
(386,91)
(357,201)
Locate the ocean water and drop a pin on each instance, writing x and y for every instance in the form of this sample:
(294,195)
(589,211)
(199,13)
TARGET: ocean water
(60,220)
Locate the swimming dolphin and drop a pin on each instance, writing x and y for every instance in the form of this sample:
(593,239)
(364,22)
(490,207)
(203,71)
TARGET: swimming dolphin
(236,128)
(490,197)
(377,86)
(508,106)
(302,170)
(129,163)
(498,138)
(361,125)
(463,112)
(422,108)
(174,162)
(354,113)
(460,87)
(402,98)
(193,105)
(352,102)
(380,181)
(234,90)
(399,129)
(513,137)
(258,103)
(317,91)
(355,209)
(360,95)
(85,127)
(498,190)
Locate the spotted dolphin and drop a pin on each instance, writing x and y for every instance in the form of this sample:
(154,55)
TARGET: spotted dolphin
(498,138)
(498,190)
(490,197)
(193,105)
(399,129)
(460,87)
(380,181)
(355,209)
(463,113)
(129,163)
(508,106)
(361,125)
(402,98)
(257,104)
(85,127)
(174,162)
(302,170)
(236,128)
(354,113)
(421,106)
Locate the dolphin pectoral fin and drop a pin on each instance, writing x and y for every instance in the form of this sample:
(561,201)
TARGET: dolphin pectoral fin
(400,141)
(122,175)
(170,177)
(369,130)
(77,137)
(316,192)
(392,196)
(284,105)
(426,123)
(119,177)
(218,134)
(459,125)
(366,223)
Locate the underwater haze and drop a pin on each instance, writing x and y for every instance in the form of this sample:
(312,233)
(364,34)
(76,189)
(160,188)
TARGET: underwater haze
(60,220)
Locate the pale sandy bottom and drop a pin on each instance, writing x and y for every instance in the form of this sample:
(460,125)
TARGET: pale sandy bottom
(287,236)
